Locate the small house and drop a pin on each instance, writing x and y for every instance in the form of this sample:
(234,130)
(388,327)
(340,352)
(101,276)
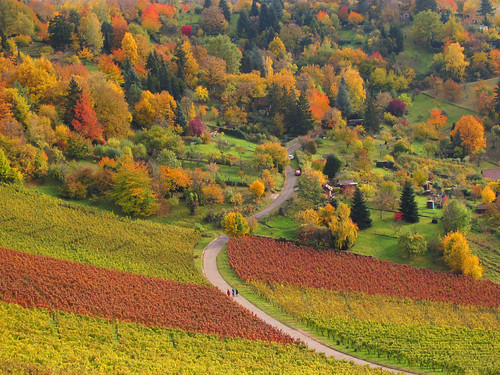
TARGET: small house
(346,183)
(355,122)
(481,208)
(492,174)
(389,164)
(328,190)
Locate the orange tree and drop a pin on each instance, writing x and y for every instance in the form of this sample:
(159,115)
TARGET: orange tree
(471,132)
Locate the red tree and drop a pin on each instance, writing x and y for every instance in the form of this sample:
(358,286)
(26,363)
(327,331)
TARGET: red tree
(196,127)
(187,30)
(396,107)
(343,12)
(85,120)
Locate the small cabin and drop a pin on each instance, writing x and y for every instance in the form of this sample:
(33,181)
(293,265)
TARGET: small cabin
(346,183)
(389,164)
(492,174)
(481,208)
(328,190)
(355,122)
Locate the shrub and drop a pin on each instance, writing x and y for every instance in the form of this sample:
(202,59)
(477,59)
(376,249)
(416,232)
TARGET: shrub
(396,107)
(410,245)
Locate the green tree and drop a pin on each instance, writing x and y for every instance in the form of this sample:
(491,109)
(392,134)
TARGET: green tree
(133,192)
(410,245)
(7,174)
(310,186)
(303,121)
(225,10)
(359,211)
(342,101)
(485,8)
(396,35)
(408,205)
(497,99)
(456,217)
(221,46)
(372,116)
(332,166)
(72,96)
(59,32)
(426,28)
(90,32)
(423,5)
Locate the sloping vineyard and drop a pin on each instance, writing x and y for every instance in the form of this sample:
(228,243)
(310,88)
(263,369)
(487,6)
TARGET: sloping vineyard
(39,224)
(272,261)
(42,342)
(42,282)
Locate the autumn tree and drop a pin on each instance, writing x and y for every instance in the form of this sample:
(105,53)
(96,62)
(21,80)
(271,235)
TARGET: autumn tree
(129,47)
(133,192)
(151,19)
(319,104)
(458,256)
(456,216)
(213,20)
(235,224)
(387,196)
(408,205)
(271,153)
(360,214)
(455,62)
(268,179)
(488,195)
(257,188)
(344,231)
(112,71)
(155,109)
(85,120)
(222,47)
(471,132)
(196,126)
(173,179)
(7,173)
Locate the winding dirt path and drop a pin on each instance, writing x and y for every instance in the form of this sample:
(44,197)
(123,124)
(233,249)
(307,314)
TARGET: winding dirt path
(214,277)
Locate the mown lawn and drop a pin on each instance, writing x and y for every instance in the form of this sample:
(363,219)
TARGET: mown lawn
(422,104)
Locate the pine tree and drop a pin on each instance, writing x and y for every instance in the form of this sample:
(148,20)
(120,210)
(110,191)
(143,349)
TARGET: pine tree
(342,101)
(225,10)
(303,118)
(372,117)
(359,211)
(408,206)
(180,118)
(396,35)
(72,97)
(332,166)
(180,59)
(254,11)
(244,27)
(60,32)
(497,99)
(263,18)
(485,8)
(207,4)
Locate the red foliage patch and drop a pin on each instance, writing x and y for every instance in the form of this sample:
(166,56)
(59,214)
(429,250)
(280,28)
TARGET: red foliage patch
(42,282)
(255,258)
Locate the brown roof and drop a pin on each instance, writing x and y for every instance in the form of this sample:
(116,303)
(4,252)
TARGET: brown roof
(493,174)
(347,182)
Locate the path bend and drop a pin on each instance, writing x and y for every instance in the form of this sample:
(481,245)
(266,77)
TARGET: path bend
(215,278)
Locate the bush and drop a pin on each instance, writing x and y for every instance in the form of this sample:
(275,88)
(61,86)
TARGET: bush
(396,107)
(410,245)
(79,147)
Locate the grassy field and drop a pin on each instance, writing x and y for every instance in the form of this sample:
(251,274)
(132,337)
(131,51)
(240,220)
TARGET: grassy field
(422,103)
(417,58)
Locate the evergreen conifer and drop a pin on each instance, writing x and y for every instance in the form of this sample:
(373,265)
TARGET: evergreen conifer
(359,211)
(408,205)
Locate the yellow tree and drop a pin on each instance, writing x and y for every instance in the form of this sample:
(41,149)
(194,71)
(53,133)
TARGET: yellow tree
(455,60)
(458,256)
(275,153)
(235,224)
(257,188)
(155,108)
(471,132)
(356,90)
(488,195)
(344,231)
(38,76)
(278,49)
(129,47)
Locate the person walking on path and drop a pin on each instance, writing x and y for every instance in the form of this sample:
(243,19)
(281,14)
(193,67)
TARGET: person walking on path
(232,291)
(236,291)
(228,293)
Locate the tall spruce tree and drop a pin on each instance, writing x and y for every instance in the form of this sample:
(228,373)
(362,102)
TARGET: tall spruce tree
(485,8)
(359,211)
(372,116)
(303,116)
(72,97)
(225,10)
(254,11)
(408,205)
(342,102)
(497,99)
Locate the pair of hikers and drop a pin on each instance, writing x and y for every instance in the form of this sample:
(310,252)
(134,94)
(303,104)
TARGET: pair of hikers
(233,292)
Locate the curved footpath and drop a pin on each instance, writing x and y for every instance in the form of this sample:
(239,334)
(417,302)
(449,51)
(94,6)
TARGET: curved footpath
(212,274)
